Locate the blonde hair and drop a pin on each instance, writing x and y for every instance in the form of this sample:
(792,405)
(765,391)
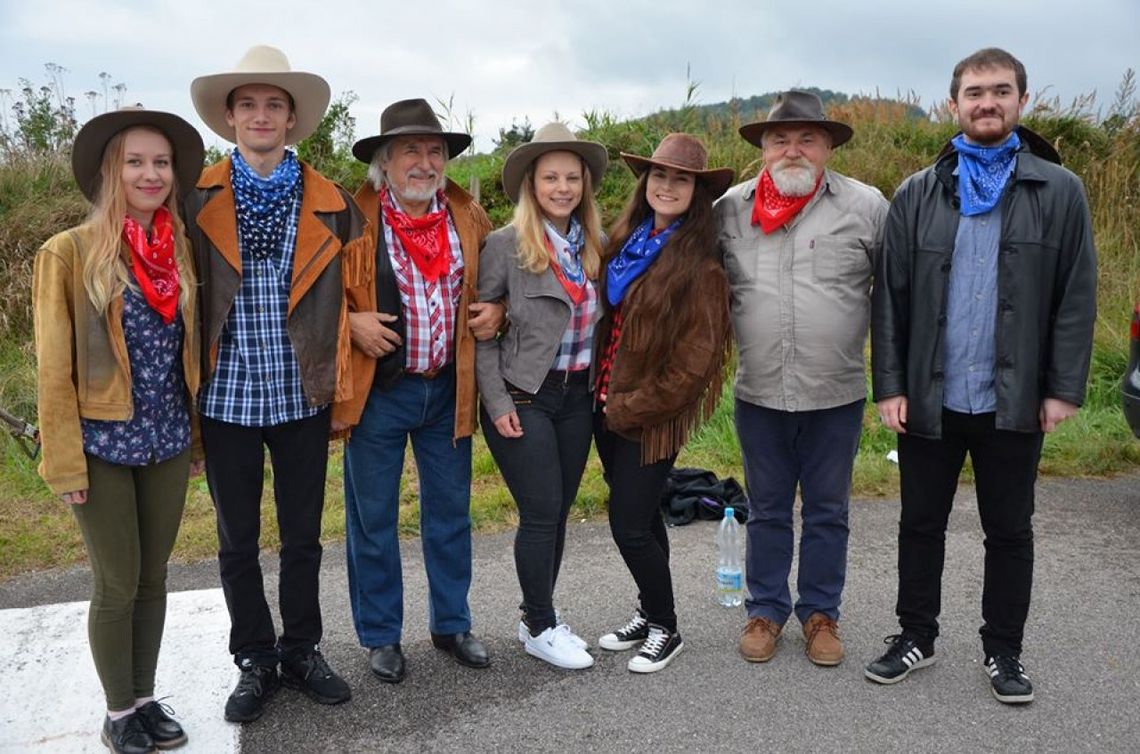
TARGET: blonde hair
(527,222)
(105,271)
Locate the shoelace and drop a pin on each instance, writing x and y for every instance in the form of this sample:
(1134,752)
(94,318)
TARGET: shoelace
(636,623)
(134,724)
(159,707)
(900,645)
(251,682)
(1006,666)
(654,642)
(829,626)
(317,666)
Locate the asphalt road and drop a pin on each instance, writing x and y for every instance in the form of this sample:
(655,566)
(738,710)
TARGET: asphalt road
(1078,652)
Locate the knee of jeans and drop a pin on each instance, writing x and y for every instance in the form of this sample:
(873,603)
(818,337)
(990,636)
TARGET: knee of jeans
(116,595)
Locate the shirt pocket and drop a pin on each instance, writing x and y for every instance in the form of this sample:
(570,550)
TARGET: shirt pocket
(838,260)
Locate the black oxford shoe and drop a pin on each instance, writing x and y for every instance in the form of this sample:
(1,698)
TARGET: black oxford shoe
(465,648)
(164,729)
(387,662)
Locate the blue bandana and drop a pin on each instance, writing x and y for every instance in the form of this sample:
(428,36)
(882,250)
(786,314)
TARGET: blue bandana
(264,205)
(568,249)
(635,256)
(983,173)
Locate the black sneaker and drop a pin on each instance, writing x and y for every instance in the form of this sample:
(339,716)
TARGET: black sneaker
(256,685)
(1008,680)
(906,653)
(310,673)
(658,650)
(126,735)
(163,729)
(628,636)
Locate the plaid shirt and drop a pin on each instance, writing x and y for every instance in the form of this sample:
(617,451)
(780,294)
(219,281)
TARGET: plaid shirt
(420,298)
(257,382)
(606,363)
(576,348)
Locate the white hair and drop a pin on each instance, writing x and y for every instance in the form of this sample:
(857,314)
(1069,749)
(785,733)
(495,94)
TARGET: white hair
(376,175)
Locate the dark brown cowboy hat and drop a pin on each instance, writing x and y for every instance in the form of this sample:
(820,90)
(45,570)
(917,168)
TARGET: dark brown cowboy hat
(87,152)
(798,108)
(687,153)
(553,137)
(409,117)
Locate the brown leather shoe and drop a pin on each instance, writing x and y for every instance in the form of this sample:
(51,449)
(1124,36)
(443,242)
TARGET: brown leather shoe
(758,639)
(824,646)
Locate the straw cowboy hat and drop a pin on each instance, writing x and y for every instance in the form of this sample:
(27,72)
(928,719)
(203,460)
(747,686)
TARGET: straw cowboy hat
(797,108)
(87,152)
(687,153)
(553,137)
(262,64)
(409,117)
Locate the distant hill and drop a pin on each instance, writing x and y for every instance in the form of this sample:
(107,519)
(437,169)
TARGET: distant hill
(761,103)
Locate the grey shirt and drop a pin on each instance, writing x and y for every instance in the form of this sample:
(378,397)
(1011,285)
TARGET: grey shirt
(801,296)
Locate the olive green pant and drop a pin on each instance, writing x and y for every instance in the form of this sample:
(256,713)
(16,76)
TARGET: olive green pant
(129,523)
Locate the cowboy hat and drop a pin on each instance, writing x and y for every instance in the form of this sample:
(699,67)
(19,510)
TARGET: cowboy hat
(799,108)
(262,64)
(87,151)
(553,137)
(687,153)
(409,117)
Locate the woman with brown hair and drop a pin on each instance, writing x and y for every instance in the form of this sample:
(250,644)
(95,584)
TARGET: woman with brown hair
(663,345)
(117,358)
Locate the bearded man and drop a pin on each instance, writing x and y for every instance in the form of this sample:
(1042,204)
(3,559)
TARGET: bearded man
(800,243)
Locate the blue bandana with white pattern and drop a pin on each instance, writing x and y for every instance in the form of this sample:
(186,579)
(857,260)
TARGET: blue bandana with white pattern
(983,172)
(264,204)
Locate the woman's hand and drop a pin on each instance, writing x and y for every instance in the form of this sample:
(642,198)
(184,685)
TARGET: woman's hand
(79,497)
(508,425)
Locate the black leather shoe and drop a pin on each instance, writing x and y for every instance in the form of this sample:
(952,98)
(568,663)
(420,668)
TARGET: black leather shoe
(465,648)
(163,729)
(126,735)
(387,662)
(310,673)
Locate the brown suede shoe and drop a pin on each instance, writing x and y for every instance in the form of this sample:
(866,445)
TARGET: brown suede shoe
(824,646)
(758,639)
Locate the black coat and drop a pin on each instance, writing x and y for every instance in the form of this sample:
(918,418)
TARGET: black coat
(1046,291)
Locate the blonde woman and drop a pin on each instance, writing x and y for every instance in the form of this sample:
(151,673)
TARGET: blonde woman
(116,348)
(534,381)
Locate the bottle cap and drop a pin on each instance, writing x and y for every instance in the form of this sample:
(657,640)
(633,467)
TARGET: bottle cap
(729,511)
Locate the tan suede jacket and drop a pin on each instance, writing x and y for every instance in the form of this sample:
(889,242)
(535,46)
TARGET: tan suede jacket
(81,360)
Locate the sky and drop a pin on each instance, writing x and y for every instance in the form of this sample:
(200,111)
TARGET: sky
(499,61)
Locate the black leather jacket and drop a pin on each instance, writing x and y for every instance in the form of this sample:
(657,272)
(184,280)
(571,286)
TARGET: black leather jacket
(1046,291)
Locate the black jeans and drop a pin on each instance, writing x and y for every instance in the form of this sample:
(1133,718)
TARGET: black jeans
(543,469)
(235,469)
(1005,469)
(635,519)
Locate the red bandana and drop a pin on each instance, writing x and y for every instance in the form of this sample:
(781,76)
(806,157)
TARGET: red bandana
(152,260)
(772,209)
(424,239)
(576,291)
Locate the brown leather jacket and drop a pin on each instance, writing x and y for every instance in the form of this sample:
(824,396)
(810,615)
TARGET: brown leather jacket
(332,261)
(662,403)
(472,225)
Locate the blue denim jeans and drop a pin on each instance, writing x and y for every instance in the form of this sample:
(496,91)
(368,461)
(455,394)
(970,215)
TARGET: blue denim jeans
(814,450)
(423,410)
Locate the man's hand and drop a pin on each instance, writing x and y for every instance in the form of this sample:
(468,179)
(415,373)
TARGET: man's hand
(78,497)
(892,413)
(508,425)
(1053,412)
(370,335)
(486,319)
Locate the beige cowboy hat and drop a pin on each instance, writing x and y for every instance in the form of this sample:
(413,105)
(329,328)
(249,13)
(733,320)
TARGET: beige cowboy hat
(797,108)
(553,137)
(87,151)
(262,64)
(409,117)
(687,153)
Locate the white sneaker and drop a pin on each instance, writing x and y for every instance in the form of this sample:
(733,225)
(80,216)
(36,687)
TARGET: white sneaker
(657,651)
(557,646)
(524,632)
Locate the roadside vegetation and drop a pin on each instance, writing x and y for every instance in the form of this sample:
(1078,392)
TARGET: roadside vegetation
(1100,141)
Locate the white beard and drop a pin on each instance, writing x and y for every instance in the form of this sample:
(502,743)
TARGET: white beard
(407,194)
(793,177)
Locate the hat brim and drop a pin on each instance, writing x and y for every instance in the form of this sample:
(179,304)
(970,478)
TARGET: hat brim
(841,133)
(718,180)
(365,149)
(520,158)
(309,91)
(91,141)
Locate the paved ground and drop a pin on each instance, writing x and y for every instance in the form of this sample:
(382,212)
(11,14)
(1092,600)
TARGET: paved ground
(1078,650)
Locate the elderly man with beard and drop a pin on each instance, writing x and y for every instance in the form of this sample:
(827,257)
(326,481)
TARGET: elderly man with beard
(416,331)
(800,242)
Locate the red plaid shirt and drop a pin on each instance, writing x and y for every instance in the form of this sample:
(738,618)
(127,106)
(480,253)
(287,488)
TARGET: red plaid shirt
(576,347)
(429,307)
(606,363)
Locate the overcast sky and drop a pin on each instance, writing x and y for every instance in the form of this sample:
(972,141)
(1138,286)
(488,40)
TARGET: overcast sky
(509,59)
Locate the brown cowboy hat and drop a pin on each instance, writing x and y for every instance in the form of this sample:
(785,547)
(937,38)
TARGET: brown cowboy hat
(553,137)
(800,108)
(262,64)
(409,117)
(687,153)
(87,152)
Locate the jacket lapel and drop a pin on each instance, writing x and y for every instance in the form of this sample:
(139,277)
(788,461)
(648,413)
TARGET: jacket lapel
(218,217)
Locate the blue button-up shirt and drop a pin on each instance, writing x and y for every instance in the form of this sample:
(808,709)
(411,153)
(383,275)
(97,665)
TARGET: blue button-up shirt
(971,315)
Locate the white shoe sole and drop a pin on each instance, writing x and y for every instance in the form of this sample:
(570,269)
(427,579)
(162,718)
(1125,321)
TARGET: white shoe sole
(653,667)
(612,643)
(888,681)
(560,662)
(524,634)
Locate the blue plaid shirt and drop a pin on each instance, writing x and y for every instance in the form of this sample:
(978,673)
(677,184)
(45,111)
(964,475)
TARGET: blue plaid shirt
(257,382)
(971,315)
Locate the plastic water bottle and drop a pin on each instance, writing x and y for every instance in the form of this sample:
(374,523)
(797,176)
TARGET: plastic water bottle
(729,576)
